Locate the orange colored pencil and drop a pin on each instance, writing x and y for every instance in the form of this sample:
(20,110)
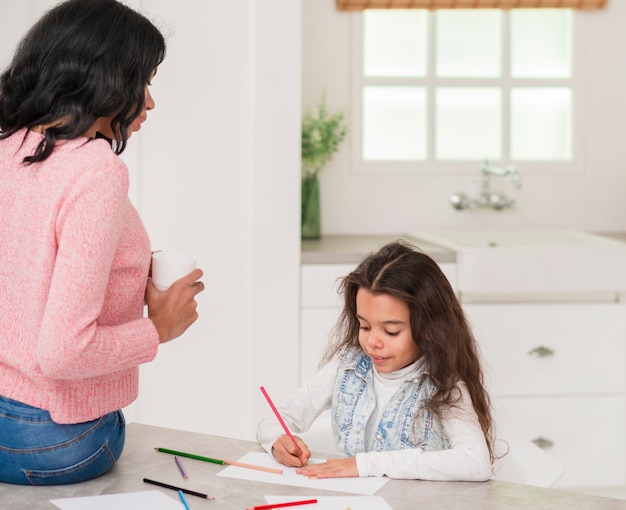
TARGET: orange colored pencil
(252,466)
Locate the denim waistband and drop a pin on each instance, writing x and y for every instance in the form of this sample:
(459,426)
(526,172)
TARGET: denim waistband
(10,408)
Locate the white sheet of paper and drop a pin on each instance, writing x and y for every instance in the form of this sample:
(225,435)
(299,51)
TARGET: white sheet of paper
(154,500)
(367,486)
(334,502)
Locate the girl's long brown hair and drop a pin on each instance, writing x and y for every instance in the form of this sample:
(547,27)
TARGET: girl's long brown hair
(438,324)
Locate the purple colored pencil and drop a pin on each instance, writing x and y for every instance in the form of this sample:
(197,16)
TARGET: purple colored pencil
(180,467)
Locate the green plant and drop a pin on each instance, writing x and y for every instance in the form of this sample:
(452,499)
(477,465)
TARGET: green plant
(322,133)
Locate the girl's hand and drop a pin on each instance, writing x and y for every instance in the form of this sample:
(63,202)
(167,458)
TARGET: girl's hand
(286,452)
(174,310)
(332,468)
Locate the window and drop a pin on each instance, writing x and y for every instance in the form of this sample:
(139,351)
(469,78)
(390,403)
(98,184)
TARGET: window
(440,91)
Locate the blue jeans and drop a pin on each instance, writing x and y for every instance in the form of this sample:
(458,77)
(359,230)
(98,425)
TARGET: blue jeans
(34,450)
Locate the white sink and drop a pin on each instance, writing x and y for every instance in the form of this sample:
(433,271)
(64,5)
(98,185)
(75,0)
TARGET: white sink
(543,262)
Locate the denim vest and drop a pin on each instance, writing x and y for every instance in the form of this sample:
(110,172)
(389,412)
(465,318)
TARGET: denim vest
(354,402)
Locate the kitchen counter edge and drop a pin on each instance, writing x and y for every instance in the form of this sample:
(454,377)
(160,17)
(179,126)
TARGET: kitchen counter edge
(351,249)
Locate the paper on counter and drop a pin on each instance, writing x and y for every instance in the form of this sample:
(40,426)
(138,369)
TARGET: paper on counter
(335,502)
(154,500)
(367,485)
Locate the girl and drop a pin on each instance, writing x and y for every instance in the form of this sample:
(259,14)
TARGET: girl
(74,254)
(402,379)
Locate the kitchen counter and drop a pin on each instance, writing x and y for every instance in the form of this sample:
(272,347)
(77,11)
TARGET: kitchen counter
(351,249)
(140,460)
(354,248)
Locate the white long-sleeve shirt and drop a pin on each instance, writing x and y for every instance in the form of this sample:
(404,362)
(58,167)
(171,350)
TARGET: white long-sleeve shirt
(467,459)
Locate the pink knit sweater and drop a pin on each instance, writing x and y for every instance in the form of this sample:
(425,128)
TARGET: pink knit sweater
(74,259)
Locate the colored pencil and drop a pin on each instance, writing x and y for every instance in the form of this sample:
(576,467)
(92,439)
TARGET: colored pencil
(182,498)
(252,466)
(174,488)
(190,455)
(280,418)
(180,467)
(220,461)
(280,505)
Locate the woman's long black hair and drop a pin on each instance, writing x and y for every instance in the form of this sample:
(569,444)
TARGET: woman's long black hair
(84,59)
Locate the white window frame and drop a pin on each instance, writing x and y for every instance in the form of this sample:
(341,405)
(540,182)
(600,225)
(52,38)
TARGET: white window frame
(468,167)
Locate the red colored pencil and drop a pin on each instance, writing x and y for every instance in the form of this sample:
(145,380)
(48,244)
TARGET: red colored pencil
(280,505)
(280,418)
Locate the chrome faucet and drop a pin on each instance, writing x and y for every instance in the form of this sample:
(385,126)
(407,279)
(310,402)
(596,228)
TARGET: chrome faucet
(497,201)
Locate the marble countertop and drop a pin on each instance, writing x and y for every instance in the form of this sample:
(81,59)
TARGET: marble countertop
(140,460)
(351,249)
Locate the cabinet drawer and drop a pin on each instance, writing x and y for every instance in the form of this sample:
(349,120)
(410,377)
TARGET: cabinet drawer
(587,435)
(319,284)
(541,349)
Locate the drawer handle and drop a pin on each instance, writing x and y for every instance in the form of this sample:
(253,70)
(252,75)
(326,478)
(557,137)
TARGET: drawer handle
(541,352)
(543,443)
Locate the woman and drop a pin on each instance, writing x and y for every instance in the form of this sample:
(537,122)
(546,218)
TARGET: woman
(74,254)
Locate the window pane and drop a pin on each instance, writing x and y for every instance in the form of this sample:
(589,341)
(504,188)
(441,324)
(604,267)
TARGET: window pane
(541,120)
(394,42)
(394,123)
(541,43)
(469,43)
(468,123)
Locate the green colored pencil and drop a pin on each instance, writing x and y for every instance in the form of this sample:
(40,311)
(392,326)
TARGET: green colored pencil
(220,461)
(190,456)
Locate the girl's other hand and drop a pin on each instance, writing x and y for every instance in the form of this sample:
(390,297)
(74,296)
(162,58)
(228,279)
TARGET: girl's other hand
(332,468)
(174,310)
(286,452)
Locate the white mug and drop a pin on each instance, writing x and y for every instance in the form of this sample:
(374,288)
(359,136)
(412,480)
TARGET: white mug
(169,266)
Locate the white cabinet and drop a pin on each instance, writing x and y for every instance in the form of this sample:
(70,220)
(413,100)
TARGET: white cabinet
(320,305)
(584,432)
(558,369)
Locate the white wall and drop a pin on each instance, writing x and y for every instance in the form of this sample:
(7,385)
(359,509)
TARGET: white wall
(216,171)
(593,199)
(219,176)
